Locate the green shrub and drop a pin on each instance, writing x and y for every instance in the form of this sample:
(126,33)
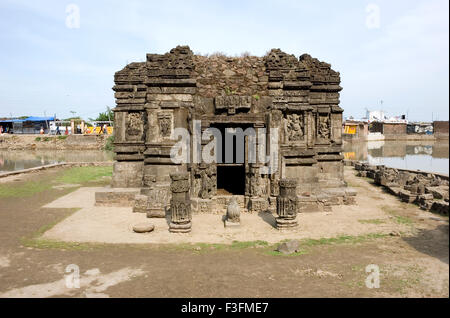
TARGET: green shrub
(37,139)
(109,146)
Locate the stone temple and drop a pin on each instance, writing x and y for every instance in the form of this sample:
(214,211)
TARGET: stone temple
(296,97)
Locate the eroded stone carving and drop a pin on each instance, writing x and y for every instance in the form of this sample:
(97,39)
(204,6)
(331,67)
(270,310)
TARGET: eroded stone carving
(295,127)
(324,127)
(233,213)
(232,103)
(287,204)
(277,59)
(165,124)
(208,182)
(135,125)
(180,203)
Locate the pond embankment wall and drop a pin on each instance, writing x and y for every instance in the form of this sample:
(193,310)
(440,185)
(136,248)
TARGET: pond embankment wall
(51,142)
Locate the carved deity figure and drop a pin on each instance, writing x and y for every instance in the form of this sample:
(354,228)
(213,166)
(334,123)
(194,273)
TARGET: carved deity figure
(324,127)
(295,127)
(165,126)
(208,182)
(135,125)
(255,185)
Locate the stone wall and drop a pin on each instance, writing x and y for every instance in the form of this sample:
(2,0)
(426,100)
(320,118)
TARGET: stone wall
(394,129)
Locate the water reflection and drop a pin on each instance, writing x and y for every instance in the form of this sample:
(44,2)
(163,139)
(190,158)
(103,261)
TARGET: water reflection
(23,159)
(414,155)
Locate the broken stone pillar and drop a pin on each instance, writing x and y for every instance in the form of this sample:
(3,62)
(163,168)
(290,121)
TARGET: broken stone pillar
(180,204)
(287,204)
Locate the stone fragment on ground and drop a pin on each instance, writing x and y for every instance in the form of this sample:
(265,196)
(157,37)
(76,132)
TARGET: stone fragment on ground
(143,227)
(289,247)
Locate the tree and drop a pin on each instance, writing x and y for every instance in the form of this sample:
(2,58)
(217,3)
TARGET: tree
(105,116)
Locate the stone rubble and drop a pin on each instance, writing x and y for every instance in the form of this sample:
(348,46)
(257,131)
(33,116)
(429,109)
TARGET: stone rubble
(428,190)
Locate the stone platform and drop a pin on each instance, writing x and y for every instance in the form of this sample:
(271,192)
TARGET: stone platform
(133,197)
(115,224)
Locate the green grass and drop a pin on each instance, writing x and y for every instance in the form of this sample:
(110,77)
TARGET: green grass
(250,244)
(62,137)
(269,249)
(37,139)
(372,221)
(343,239)
(398,218)
(75,175)
(27,189)
(84,174)
(403,220)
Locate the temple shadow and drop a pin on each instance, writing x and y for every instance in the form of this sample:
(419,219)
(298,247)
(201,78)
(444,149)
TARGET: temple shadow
(268,217)
(434,243)
(167,216)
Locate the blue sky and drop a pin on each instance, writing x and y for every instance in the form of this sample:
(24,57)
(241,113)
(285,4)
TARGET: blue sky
(48,67)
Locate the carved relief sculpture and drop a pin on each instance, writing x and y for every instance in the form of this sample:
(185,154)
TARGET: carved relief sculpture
(208,183)
(165,124)
(324,127)
(295,127)
(135,126)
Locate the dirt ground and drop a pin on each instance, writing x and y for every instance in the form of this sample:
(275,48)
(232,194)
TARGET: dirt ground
(409,246)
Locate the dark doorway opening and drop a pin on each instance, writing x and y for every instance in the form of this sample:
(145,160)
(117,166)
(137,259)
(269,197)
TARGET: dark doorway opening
(231,180)
(231,173)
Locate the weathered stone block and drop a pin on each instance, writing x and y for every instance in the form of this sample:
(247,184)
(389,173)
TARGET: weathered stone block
(127,174)
(202,205)
(407,196)
(140,203)
(117,197)
(258,205)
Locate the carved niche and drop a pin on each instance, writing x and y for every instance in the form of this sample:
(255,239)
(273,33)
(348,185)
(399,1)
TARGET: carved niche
(134,126)
(295,127)
(324,129)
(165,124)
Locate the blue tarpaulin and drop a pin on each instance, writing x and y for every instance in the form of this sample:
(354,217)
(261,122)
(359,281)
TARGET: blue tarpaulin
(28,119)
(39,118)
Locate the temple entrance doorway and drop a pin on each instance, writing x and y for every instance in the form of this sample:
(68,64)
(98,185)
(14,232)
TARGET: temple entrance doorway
(230,180)
(231,167)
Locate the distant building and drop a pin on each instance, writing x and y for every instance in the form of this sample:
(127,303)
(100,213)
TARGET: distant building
(419,128)
(355,130)
(29,125)
(379,115)
(388,128)
(375,115)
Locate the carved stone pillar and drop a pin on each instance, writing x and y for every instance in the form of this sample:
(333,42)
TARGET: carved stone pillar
(180,204)
(287,204)
(256,202)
